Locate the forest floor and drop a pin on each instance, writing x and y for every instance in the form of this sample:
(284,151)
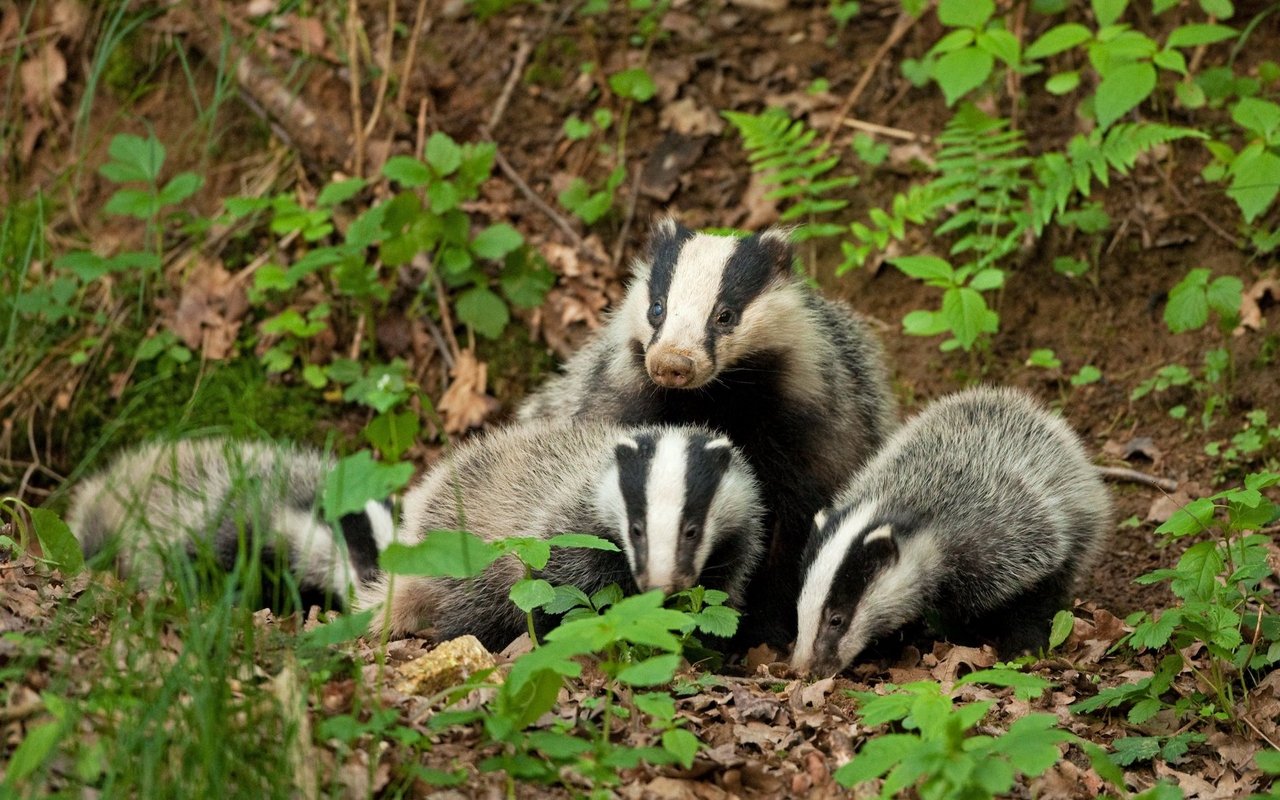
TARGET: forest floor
(513,79)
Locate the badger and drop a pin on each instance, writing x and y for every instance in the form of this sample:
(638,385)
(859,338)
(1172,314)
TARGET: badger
(982,510)
(720,331)
(680,502)
(225,499)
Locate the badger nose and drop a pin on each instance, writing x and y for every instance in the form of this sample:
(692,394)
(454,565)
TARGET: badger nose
(671,370)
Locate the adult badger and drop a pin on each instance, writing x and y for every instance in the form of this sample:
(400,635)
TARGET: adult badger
(227,499)
(679,501)
(983,509)
(719,331)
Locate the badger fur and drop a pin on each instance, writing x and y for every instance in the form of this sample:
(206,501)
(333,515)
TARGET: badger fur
(719,331)
(679,501)
(214,496)
(983,508)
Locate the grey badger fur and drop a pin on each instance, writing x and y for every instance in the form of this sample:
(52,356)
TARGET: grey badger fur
(200,495)
(720,331)
(983,508)
(680,502)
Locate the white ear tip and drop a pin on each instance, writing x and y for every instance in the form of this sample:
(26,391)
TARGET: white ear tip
(627,441)
(716,444)
(820,519)
(883,532)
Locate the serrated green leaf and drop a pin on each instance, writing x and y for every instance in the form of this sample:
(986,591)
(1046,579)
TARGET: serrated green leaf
(1188,305)
(962,71)
(134,159)
(407,171)
(57,542)
(532,593)
(682,744)
(1025,685)
(967,315)
(634,84)
(582,540)
(444,554)
(1133,749)
(339,192)
(182,186)
(1057,39)
(1192,518)
(877,757)
(496,241)
(443,153)
(1121,90)
(357,479)
(651,671)
(1255,180)
(925,268)
(484,311)
(965,13)
(1259,117)
(342,629)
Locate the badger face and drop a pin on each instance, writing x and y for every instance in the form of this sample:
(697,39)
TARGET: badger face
(709,298)
(673,495)
(860,583)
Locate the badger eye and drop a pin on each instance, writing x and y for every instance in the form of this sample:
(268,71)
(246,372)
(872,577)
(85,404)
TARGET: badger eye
(690,531)
(726,317)
(637,530)
(835,621)
(656,309)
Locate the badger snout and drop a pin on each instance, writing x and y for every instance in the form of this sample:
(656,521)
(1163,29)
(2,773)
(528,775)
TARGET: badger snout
(669,369)
(668,585)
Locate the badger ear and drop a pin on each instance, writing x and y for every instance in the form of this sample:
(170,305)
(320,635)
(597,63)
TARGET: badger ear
(776,243)
(820,519)
(666,232)
(881,541)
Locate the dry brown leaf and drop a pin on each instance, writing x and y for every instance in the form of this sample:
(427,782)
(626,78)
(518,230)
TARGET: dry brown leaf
(1165,506)
(686,117)
(1265,292)
(465,404)
(760,210)
(42,75)
(975,658)
(1141,446)
(210,310)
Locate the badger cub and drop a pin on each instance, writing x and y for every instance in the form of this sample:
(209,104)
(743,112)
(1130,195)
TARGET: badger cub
(983,508)
(224,498)
(720,331)
(680,502)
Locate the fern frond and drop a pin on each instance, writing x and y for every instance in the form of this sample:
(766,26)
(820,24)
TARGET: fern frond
(783,152)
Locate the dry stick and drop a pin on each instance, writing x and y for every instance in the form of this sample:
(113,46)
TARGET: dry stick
(903,24)
(1134,476)
(885,130)
(626,221)
(537,201)
(403,96)
(353,66)
(523,50)
(1012,77)
(386,70)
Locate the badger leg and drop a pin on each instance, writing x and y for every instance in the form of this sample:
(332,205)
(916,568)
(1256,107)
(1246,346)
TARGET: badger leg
(1021,625)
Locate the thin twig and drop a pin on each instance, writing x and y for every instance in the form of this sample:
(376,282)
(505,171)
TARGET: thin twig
(1134,476)
(420,139)
(353,67)
(1249,722)
(443,305)
(903,24)
(386,70)
(537,201)
(523,50)
(885,130)
(627,219)
(403,96)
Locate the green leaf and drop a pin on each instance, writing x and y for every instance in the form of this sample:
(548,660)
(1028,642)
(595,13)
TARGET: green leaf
(1107,12)
(36,748)
(1057,39)
(717,621)
(634,84)
(877,757)
(966,313)
(1171,60)
(1044,358)
(987,279)
(441,554)
(1063,623)
(1192,518)
(484,311)
(1222,9)
(1121,90)
(57,542)
(340,192)
(576,129)
(526,280)
(1025,686)
(407,171)
(1268,761)
(357,479)
(496,241)
(925,268)
(1196,35)
(1224,296)
(1134,749)
(1001,44)
(962,71)
(651,671)
(533,551)
(393,434)
(1259,117)
(582,540)
(443,153)
(1063,82)
(965,13)
(1188,306)
(532,593)
(342,629)
(1255,180)
(132,203)
(1032,743)
(180,188)
(924,323)
(682,744)
(133,159)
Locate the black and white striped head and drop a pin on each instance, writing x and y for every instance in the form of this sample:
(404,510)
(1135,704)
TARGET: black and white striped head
(709,300)
(685,507)
(864,577)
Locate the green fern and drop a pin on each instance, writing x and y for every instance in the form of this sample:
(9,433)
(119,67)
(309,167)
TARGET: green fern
(1061,175)
(784,153)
